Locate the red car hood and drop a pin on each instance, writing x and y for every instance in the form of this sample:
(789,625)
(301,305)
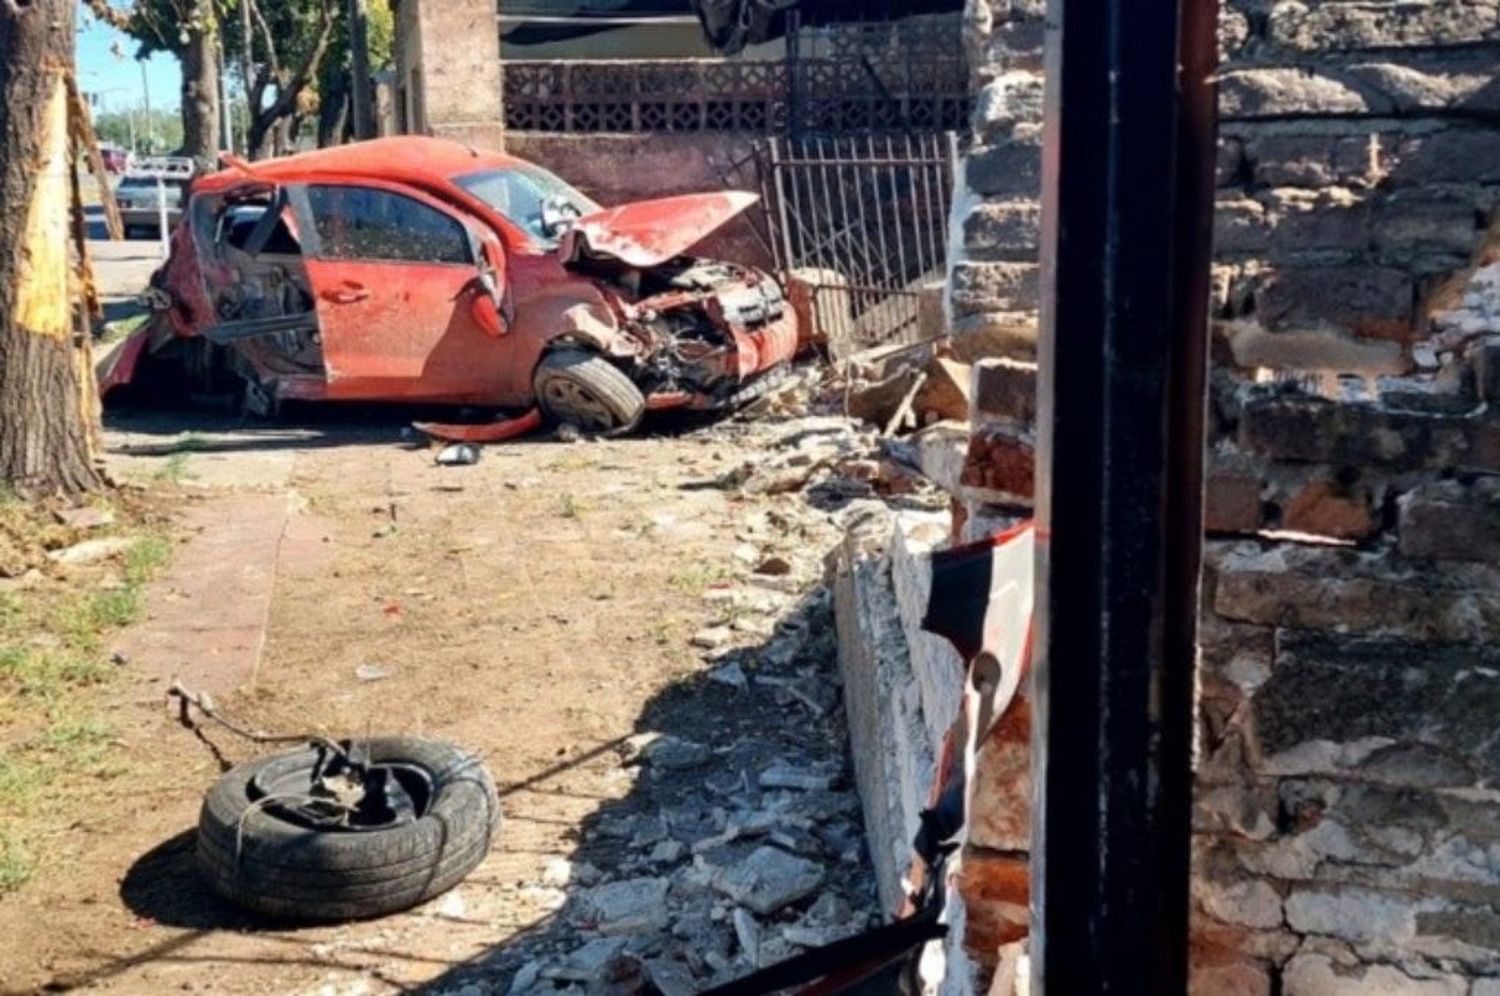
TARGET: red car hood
(648,233)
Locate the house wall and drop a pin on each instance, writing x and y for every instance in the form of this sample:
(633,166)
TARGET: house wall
(619,168)
(448,78)
(1347,823)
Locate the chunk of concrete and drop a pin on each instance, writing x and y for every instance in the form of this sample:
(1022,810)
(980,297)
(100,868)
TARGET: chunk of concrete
(768,880)
(631,906)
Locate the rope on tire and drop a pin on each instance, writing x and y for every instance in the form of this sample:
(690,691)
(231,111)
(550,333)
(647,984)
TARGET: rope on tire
(333,803)
(189,700)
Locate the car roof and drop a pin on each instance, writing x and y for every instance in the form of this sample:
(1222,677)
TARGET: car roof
(409,157)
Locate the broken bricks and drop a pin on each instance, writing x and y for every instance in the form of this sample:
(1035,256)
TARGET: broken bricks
(924,391)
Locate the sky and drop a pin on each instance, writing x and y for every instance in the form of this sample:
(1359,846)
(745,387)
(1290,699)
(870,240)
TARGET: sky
(117,80)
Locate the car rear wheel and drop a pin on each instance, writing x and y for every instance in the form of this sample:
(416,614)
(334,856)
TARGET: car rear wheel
(587,391)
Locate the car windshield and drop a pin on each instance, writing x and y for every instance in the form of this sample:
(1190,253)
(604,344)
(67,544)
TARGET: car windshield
(529,196)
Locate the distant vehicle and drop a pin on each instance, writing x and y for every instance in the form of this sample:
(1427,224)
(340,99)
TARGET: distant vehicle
(139,197)
(413,269)
(116,159)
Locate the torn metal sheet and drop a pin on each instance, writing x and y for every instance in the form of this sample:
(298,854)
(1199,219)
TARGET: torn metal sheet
(649,233)
(489,432)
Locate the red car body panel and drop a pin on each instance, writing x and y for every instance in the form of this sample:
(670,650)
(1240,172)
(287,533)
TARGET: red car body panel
(431,331)
(648,233)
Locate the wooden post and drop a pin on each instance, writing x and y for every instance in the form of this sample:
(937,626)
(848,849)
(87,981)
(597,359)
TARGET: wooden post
(83,137)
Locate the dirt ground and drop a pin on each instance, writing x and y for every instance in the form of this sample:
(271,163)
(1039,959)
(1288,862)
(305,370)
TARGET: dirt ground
(537,607)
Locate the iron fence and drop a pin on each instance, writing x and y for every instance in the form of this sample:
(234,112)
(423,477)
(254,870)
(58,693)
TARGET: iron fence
(865,221)
(906,75)
(903,76)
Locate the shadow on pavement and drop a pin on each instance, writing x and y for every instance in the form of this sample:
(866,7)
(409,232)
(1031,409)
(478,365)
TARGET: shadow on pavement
(740,844)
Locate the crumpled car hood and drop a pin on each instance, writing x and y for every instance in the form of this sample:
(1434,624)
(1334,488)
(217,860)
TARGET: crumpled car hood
(648,233)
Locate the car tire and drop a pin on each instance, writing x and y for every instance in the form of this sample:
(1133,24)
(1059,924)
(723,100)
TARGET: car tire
(587,391)
(271,864)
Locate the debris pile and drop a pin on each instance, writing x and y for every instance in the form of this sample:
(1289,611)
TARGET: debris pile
(742,843)
(40,540)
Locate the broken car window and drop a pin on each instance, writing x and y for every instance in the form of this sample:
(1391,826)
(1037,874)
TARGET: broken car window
(238,223)
(520,193)
(366,223)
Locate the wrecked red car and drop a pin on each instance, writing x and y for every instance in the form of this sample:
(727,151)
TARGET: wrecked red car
(418,270)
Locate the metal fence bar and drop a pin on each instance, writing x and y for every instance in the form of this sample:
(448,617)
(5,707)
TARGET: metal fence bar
(869,215)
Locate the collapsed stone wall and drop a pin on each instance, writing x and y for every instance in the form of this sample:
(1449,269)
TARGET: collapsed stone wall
(1347,826)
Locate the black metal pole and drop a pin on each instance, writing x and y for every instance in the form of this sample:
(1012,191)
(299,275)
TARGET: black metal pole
(1127,217)
(361,104)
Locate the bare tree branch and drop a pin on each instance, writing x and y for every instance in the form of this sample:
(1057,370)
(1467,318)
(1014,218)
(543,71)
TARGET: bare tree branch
(115,17)
(289,87)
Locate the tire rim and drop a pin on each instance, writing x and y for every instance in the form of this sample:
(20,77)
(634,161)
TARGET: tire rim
(572,402)
(396,793)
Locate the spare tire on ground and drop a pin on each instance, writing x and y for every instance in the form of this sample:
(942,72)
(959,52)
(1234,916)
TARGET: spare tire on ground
(426,815)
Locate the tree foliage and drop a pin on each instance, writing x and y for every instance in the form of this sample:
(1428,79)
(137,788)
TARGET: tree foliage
(298,51)
(119,127)
(189,30)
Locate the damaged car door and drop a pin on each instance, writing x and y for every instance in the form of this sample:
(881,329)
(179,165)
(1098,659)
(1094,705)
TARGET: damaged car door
(409,294)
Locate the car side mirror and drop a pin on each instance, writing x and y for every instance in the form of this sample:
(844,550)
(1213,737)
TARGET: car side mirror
(557,216)
(487,305)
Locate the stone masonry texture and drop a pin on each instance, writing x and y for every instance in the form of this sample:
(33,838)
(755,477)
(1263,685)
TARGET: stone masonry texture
(1347,814)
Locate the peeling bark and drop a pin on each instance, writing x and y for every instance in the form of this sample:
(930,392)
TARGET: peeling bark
(45,410)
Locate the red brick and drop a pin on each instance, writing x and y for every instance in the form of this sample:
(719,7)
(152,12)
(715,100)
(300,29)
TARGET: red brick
(995,889)
(945,392)
(1002,459)
(1322,508)
(1231,503)
(1000,806)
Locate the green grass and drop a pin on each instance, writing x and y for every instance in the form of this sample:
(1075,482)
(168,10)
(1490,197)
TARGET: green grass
(16,863)
(174,471)
(125,327)
(699,578)
(52,657)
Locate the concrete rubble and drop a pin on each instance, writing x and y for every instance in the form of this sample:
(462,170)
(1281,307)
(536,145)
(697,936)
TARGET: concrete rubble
(744,842)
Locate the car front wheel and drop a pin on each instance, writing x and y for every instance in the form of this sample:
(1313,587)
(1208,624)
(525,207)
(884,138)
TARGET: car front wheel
(585,390)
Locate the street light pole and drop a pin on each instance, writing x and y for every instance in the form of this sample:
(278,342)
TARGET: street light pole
(225,111)
(146,89)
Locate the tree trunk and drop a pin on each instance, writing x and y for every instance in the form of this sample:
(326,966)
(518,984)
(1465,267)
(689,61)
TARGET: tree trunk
(200,85)
(45,414)
(333,110)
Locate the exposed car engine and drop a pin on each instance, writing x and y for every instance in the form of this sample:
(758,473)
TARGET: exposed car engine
(690,323)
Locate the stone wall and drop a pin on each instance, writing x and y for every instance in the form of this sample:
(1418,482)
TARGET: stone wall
(1347,819)
(447,70)
(902,687)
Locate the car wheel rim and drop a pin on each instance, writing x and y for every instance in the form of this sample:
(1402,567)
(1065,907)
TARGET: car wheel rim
(573,402)
(397,793)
